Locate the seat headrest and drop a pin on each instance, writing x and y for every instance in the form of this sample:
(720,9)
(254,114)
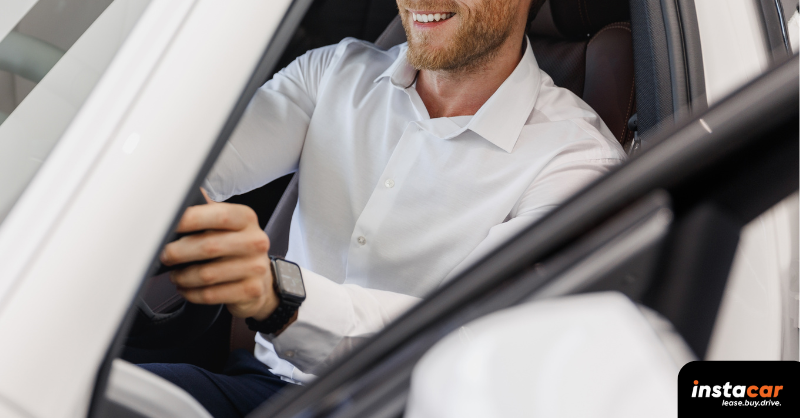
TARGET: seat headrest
(578,19)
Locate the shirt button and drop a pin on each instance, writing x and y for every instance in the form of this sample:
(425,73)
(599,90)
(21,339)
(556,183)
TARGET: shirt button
(288,354)
(389,183)
(361,240)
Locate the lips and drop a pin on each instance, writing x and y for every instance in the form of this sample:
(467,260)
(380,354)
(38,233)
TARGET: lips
(430,17)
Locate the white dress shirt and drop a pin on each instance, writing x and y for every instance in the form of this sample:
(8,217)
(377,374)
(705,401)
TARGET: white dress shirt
(393,203)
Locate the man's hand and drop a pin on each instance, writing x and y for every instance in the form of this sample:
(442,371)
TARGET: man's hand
(237,272)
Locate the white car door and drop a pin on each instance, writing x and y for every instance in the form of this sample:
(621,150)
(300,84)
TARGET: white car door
(142,98)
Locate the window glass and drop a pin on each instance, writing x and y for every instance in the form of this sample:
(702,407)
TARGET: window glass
(758,315)
(733,43)
(791,15)
(52,54)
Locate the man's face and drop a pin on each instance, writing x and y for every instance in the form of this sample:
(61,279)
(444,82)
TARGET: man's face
(467,34)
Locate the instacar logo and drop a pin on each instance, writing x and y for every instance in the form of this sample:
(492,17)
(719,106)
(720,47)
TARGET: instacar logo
(739,389)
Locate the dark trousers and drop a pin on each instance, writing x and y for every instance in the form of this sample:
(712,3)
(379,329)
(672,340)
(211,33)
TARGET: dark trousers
(242,386)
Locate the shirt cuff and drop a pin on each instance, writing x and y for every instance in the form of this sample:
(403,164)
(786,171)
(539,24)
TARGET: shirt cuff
(321,324)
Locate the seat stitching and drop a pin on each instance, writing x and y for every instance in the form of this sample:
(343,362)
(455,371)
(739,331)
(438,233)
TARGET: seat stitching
(625,26)
(628,112)
(619,25)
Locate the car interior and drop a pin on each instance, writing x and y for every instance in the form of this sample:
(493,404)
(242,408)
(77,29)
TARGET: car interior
(638,63)
(590,52)
(662,230)
(640,74)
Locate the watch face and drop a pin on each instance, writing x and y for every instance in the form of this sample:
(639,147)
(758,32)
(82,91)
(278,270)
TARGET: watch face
(289,280)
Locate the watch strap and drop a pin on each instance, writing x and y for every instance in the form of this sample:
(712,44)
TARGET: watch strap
(276,321)
(286,309)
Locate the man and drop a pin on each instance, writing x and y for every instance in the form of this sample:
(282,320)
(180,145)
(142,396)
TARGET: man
(412,164)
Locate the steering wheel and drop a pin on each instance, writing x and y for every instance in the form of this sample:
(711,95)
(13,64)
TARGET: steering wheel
(160,330)
(182,325)
(152,330)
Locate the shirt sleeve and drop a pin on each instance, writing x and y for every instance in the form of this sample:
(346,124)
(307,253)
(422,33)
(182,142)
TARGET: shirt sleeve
(267,142)
(333,319)
(555,184)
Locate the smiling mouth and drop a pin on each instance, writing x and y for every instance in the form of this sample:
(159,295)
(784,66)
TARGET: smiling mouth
(431,17)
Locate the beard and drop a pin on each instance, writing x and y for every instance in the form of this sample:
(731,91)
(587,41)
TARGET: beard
(478,37)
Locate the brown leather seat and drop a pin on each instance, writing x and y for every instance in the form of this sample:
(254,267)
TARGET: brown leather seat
(585,46)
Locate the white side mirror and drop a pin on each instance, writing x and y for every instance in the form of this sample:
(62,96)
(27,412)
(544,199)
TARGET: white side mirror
(583,356)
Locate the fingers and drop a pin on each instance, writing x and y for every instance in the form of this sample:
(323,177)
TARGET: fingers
(238,273)
(221,271)
(215,244)
(246,297)
(220,216)
(238,292)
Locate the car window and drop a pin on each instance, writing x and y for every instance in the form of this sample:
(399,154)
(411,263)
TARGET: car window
(52,54)
(761,289)
(791,13)
(740,40)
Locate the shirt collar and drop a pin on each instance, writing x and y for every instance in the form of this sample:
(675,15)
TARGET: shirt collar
(400,73)
(501,119)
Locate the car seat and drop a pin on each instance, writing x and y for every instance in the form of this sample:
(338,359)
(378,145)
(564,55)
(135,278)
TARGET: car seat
(585,46)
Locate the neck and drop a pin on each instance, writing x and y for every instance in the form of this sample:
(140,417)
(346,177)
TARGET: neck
(463,92)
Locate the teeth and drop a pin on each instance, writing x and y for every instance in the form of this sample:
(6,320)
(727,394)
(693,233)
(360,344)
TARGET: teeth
(425,18)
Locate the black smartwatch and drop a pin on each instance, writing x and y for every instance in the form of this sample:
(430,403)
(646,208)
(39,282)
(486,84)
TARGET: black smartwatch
(288,283)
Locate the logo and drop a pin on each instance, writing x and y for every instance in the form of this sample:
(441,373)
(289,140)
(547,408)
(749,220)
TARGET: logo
(739,389)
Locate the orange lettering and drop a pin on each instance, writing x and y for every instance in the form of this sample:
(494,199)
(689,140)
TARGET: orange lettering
(767,389)
(752,391)
(777,388)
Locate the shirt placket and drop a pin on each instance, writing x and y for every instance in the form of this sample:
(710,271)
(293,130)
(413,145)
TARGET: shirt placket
(366,238)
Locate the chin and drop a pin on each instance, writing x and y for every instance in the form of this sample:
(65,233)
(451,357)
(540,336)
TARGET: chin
(437,47)
(435,50)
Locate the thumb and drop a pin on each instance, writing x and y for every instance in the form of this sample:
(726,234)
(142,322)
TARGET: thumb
(205,194)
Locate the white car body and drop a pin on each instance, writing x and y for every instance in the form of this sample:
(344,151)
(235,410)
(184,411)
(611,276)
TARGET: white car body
(154,115)
(758,297)
(78,241)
